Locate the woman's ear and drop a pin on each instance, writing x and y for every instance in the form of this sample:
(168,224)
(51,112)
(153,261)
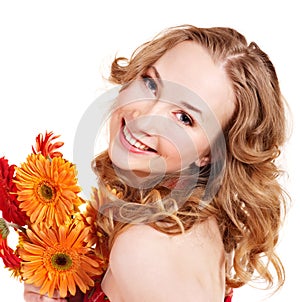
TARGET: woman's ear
(203,161)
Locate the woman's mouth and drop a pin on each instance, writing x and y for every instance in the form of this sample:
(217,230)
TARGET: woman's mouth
(134,142)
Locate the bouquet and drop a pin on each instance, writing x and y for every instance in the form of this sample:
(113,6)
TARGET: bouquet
(59,244)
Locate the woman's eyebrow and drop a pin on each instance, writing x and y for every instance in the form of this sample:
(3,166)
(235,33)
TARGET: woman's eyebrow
(191,107)
(157,75)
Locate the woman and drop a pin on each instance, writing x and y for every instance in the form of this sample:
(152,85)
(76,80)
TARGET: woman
(194,135)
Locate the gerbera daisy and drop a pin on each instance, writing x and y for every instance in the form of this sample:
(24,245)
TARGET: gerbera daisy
(59,258)
(47,189)
(9,258)
(45,145)
(91,216)
(9,205)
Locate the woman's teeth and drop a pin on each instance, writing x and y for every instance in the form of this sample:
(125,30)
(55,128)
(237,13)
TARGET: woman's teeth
(133,142)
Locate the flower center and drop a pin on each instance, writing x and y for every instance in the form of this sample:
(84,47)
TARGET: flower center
(46,191)
(61,261)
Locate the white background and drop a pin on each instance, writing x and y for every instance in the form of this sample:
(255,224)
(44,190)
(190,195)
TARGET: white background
(53,53)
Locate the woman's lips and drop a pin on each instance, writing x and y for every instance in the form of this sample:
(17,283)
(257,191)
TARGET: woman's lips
(132,143)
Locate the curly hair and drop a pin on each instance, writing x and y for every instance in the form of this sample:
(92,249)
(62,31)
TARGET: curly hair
(250,204)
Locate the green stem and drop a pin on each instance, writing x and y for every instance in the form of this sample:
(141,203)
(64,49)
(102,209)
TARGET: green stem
(16,226)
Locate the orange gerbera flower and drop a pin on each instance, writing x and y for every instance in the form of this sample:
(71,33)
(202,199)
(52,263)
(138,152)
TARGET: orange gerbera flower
(59,259)
(47,189)
(91,217)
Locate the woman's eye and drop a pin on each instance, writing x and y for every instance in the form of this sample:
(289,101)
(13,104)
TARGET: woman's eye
(184,118)
(150,84)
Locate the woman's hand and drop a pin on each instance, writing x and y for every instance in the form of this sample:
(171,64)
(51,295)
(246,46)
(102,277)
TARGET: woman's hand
(32,294)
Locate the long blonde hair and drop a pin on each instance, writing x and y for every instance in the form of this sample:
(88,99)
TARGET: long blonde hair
(250,203)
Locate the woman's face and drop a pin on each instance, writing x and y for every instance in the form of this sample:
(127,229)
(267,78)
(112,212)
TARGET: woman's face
(167,119)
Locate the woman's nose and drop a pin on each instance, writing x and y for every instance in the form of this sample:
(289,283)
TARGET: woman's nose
(150,108)
(152,120)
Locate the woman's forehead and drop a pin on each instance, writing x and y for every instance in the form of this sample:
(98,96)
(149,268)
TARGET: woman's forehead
(189,65)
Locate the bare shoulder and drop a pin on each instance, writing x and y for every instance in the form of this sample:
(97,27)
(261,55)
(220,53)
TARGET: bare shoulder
(137,243)
(149,260)
(144,239)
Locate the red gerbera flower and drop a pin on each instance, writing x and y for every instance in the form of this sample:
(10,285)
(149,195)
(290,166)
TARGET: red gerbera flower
(96,294)
(9,205)
(10,259)
(45,145)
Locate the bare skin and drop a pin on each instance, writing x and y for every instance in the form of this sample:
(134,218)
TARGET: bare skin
(32,294)
(149,270)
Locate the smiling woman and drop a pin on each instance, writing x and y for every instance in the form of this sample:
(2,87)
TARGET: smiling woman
(188,188)
(173,123)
